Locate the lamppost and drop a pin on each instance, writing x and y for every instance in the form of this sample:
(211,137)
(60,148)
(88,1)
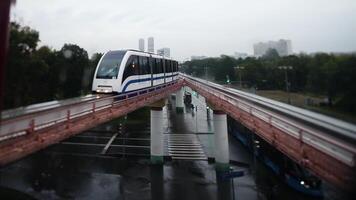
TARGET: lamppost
(206,72)
(286,68)
(240,68)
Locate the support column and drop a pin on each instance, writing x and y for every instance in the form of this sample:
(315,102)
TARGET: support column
(221,141)
(4,41)
(179,101)
(157,132)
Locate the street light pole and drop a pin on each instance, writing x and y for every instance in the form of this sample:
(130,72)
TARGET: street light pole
(240,74)
(206,73)
(285,68)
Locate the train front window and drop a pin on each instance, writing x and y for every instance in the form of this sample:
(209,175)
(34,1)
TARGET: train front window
(110,64)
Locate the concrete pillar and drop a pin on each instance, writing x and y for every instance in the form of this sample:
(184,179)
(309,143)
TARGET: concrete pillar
(156,135)
(221,141)
(157,131)
(179,101)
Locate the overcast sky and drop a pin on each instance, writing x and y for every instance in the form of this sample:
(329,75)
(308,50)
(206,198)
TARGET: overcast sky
(192,27)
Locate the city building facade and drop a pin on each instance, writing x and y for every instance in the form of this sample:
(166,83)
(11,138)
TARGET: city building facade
(141,44)
(166,52)
(283,47)
(150,45)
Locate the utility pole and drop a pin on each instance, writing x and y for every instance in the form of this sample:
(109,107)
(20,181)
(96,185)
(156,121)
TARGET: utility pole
(206,72)
(286,68)
(240,68)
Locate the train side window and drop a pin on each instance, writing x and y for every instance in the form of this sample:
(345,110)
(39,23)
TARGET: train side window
(163,66)
(131,68)
(154,66)
(152,63)
(147,66)
(160,66)
(168,66)
(136,66)
(171,65)
(144,67)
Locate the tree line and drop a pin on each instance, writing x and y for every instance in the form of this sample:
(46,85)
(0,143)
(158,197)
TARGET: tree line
(37,74)
(330,75)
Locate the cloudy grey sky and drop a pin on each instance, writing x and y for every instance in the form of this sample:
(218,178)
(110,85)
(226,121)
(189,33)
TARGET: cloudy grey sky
(192,27)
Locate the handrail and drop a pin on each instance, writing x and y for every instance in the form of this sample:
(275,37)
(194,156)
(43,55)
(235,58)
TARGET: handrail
(15,112)
(343,150)
(29,122)
(334,125)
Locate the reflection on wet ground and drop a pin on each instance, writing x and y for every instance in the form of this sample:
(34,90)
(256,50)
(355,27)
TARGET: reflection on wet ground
(86,167)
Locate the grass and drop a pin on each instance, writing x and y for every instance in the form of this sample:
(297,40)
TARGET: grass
(299,100)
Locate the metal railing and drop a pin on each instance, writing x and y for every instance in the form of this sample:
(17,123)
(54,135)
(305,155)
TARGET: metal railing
(331,136)
(50,116)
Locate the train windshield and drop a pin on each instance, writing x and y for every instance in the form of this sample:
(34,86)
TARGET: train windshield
(110,64)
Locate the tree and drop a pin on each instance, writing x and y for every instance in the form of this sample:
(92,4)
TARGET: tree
(71,60)
(95,58)
(271,54)
(22,64)
(41,74)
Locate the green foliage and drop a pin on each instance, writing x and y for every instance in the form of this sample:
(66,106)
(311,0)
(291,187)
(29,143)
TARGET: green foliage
(271,54)
(323,74)
(41,74)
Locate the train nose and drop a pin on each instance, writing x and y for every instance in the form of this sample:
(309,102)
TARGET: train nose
(104,89)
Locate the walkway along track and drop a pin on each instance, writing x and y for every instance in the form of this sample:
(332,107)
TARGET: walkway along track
(38,130)
(328,154)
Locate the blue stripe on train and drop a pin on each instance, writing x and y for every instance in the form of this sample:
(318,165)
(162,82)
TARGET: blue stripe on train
(144,80)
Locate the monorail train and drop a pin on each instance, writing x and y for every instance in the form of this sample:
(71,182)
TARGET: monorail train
(125,71)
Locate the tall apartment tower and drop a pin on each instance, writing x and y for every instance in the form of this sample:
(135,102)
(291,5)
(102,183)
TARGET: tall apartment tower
(166,52)
(151,45)
(141,44)
(283,47)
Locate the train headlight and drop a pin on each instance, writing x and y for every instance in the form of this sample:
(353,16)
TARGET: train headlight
(104,89)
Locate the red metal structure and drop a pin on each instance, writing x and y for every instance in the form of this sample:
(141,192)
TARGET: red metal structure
(296,135)
(4,34)
(331,158)
(31,132)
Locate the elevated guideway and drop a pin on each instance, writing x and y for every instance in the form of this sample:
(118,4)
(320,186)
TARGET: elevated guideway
(325,145)
(26,130)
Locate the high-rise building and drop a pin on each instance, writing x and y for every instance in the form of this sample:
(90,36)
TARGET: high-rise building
(197,57)
(141,44)
(238,55)
(166,52)
(283,47)
(150,45)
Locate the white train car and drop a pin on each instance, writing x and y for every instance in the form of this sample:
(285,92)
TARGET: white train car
(129,70)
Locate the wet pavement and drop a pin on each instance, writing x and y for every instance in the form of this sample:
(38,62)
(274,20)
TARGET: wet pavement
(111,161)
